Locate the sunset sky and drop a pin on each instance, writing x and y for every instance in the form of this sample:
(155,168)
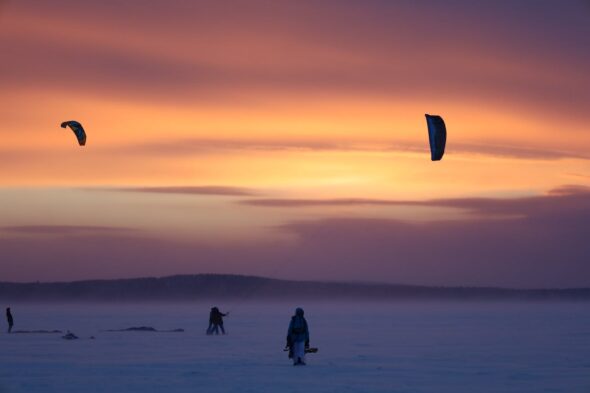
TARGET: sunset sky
(288,139)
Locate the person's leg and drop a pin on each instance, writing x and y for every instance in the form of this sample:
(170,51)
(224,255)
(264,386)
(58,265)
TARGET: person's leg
(10,328)
(216,328)
(209,328)
(298,352)
(222,329)
(302,357)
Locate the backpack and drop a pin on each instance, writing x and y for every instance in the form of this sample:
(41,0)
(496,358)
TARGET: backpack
(298,325)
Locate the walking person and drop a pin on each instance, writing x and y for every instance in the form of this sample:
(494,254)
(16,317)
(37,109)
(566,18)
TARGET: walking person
(9,319)
(298,338)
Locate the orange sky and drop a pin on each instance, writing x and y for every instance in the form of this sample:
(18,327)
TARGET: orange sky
(313,100)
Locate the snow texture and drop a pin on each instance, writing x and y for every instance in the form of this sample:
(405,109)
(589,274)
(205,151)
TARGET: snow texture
(387,347)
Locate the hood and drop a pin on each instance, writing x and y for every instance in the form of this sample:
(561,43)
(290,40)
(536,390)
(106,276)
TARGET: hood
(299,311)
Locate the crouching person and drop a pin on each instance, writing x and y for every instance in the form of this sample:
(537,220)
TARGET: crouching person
(298,338)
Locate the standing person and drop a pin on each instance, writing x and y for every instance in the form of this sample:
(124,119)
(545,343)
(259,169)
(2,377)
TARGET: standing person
(210,327)
(216,319)
(9,319)
(298,338)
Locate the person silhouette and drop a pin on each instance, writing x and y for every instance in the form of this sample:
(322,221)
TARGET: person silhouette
(216,321)
(298,337)
(210,327)
(9,319)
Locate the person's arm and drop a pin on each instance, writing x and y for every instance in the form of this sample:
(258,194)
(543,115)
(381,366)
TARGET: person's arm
(306,335)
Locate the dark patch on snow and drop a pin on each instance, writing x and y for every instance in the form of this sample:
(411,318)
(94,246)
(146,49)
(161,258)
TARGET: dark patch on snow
(144,329)
(69,336)
(37,331)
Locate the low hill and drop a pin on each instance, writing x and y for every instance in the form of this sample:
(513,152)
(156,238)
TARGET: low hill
(214,286)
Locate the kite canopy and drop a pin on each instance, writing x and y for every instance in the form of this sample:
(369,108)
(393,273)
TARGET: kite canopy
(437,135)
(78,130)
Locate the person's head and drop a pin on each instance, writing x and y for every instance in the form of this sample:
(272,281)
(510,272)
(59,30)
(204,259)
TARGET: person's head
(299,311)
(7,309)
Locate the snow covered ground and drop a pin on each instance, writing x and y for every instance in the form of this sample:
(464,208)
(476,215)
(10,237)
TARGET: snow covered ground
(388,347)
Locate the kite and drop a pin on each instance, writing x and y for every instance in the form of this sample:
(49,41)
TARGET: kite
(78,130)
(437,135)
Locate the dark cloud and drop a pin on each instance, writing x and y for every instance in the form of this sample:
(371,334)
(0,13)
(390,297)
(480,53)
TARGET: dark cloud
(190,190)
(524,242)
(195,146)
(117,74)
(69,230)
(512,151)
(286,202)
(569,189)
(578,195)
(15,160)
(338,47)
(509,150)
(570,199)
(200,145)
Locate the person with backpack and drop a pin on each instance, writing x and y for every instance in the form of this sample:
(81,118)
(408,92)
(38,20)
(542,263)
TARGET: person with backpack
(298,338)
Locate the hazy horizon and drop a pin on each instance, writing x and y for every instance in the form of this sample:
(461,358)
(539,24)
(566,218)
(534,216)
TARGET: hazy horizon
(195,287)
(279,278)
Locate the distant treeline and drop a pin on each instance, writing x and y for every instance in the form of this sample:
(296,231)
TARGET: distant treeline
(214,286)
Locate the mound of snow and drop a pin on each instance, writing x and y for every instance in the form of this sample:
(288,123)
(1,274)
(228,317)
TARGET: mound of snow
(69,336)
(145,329)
